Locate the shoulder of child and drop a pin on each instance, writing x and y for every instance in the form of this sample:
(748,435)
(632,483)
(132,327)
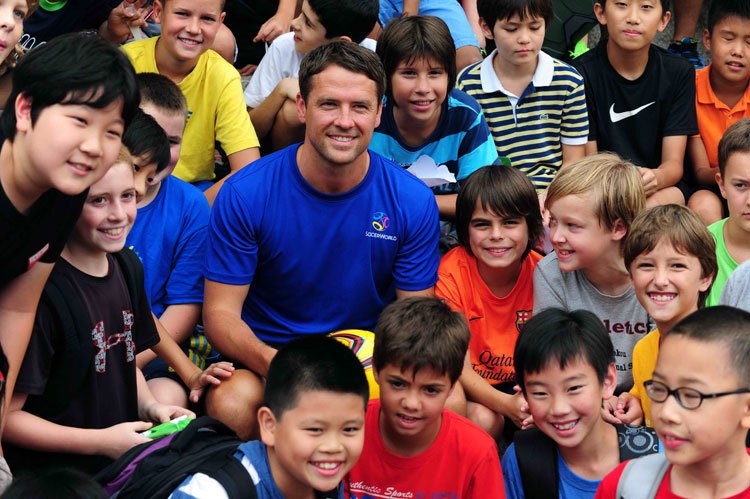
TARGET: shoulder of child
(608,485)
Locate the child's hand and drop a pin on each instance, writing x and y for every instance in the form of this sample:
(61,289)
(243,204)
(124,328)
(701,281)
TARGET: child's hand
(649,181)
(289,88)
(623,409)
(116,440)
(277,25)
(528,419)
(161,413)
(130,13)
(211,376)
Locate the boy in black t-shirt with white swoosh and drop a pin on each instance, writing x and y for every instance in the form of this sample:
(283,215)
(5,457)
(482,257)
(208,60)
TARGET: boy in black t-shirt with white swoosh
(641,99)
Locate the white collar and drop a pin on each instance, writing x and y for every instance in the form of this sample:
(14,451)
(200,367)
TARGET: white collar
(545,70)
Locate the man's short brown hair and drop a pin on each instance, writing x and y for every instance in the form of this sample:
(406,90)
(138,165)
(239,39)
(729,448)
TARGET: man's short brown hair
(421,331)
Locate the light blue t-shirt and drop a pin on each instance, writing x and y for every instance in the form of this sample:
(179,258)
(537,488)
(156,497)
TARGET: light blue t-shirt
(319,262)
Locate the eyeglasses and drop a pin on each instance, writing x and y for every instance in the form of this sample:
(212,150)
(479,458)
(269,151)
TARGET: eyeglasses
(686,397)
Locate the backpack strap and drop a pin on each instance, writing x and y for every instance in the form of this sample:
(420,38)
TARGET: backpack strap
(636,441)
(642,477)
(72,365)
(537,463)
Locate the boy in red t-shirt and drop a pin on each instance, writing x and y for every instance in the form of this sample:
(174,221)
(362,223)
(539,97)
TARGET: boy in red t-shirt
(489,279)
(414,447)
(700,406)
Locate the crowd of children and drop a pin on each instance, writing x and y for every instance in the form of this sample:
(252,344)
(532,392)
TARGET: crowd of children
(553,256)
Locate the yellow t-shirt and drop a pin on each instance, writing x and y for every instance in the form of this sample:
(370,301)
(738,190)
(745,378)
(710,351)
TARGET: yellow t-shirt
(644,362)
(216,109)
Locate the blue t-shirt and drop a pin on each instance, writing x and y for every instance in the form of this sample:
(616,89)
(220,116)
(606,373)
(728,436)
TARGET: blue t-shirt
(461,140)
(318,262)
(169,236)
(572,486)
(253,457)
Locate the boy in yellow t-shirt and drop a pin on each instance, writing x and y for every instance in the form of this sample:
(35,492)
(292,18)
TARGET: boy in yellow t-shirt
(671,257)
(216,107)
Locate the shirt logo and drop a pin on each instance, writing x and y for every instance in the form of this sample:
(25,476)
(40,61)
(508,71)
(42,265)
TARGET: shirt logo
(36,256)
(615,117)
(380,222)
(522,317)
(102,343)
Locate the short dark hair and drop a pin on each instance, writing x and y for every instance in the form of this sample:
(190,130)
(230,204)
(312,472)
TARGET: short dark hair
(74,68)
(347,55)
(63,483)
(721,9)
(312,363)
(664,5)
(735,139)
(408,39)
(352,18)
(721,323)
(555,335)
(492,10)
(421,331)
(504,191)
(162,92)
(146,140)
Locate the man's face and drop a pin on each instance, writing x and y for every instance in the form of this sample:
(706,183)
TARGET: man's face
(340,114)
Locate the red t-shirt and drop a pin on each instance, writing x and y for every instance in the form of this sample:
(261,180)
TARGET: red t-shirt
(461,463)
(608,486)
(494,322)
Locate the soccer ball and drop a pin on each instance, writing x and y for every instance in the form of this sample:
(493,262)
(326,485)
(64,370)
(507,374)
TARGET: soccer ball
(361,343)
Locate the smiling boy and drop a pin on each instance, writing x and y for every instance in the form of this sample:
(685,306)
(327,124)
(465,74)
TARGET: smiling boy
(640,98)
(211,86)
(413,444)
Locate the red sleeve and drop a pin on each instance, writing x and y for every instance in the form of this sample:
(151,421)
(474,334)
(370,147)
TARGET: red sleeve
(608,486)
(487,479)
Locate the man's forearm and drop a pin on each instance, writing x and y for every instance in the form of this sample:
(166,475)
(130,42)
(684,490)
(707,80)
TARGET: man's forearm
(229,334)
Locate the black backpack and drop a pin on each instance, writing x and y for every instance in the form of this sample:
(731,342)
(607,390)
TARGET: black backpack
(155,469)
(72,366)
(537,457)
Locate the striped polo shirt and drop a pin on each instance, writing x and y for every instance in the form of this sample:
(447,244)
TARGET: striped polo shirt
(530,129)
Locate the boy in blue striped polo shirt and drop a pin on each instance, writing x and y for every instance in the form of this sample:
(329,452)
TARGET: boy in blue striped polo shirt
(423,114)
(534,104)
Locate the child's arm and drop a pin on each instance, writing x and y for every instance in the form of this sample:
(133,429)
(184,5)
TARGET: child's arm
(704,174)
(279,23)
(179,321)
(150,409)
(411,8)
(237,161)
(264,115)
(195,379)
(18,303)
(32,432)
(446,205)
(571,153)
(669,172)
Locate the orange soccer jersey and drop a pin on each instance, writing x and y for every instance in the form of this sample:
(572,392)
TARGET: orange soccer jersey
(494,322)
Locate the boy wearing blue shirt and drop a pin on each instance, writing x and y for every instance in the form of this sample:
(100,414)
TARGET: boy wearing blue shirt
(169,236)
(423,113)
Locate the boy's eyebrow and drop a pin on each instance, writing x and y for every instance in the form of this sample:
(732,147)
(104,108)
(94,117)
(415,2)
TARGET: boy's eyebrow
(681,381)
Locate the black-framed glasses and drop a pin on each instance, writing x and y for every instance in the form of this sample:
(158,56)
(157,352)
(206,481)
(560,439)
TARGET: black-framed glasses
(688,398)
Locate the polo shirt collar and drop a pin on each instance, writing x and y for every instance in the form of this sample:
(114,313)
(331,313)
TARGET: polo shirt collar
(545,70)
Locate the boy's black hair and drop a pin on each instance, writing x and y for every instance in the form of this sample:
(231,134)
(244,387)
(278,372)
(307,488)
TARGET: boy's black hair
(352,18)
(312,363)
(721,9)
(720,323)
(504,191)
(664,5)
(64,483)
(555,335)
(421,332)
(736,138)
(147,141)
(408,39)
(492,10)
(74,68)
(162,92)
(347,55)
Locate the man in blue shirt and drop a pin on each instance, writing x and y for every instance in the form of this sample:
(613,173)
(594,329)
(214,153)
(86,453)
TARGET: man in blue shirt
(317,237)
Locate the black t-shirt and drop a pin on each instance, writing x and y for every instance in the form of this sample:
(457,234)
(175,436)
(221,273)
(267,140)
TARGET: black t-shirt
(71,15)
(39,235)
(632,117)
(118,331)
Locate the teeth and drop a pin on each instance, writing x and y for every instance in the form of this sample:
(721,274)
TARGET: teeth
(407,418)
(662,297)
(564,426)
(342,139)
(327,466)
(113,232)
(189,42)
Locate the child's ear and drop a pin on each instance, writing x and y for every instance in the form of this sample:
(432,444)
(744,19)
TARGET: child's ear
(486,29)
(706,282)
(267,424)
(720,183)
(343,38)
(23,112)
(376,376)
(599,12)
(664,21)
(610,382)
(157,12)
(619,230)
(745,420)
(707,39)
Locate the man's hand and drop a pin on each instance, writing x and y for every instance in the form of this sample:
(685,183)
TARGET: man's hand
(649,181)
(116,440)
(211,376)
(277,25)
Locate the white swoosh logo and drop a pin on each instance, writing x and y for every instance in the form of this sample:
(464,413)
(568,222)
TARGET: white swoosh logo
(615,117)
